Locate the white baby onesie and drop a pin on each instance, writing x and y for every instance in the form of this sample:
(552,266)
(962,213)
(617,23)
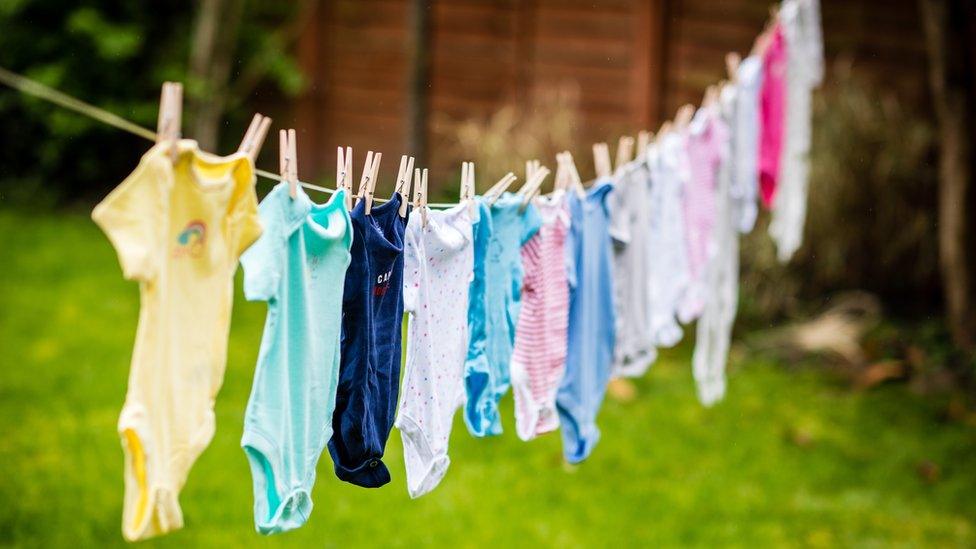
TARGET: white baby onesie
(714,329)
(438,262)
(634,351)
(804,71)
(668,280)
(744,127)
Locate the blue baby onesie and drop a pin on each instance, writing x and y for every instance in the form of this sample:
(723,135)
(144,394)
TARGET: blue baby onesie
(511,229)
(589,356)
(369,371)
(297,266)
(476,373)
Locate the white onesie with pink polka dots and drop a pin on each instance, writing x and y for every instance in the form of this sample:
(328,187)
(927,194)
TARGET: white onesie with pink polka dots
(437,270)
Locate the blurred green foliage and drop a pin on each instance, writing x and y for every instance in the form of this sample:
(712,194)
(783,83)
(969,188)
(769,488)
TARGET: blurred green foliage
(114,54)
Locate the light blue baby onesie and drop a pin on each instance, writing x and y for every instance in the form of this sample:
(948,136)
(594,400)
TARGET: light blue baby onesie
(589,355)
(298,266)
(511,228)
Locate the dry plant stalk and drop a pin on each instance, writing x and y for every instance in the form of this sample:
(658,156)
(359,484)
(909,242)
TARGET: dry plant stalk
(511,135)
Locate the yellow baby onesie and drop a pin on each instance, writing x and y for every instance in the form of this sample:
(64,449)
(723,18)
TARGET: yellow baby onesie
(179,228)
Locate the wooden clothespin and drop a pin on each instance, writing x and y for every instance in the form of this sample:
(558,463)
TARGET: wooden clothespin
(500,187)
(472,183)
(562,174)
(732,60)
(254,137)
(420,194)
(684,116)
(463,189)
(364,178)
(711,96)
(344,173)
(468,186)
(625,151)
(760,44)
(765,37)
(531,186)
(574,175)
(531,168)
(168,125)
(643,140)
(665,128)
(403,183)
(288,160)
(371,182)
(601,160)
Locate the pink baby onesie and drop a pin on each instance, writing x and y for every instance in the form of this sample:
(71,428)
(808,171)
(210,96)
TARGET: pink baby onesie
(772,105)
(539,357)
(708,138)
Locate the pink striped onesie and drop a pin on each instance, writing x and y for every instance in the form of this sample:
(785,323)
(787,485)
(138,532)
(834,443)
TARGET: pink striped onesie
(539,357)
(708,138)
(772,104)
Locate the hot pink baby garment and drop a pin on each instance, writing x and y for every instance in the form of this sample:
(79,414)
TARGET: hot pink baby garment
(539,357)
(772,105)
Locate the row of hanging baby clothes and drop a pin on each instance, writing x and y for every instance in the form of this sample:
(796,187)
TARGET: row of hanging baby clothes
(604,280)
(512,224)
(735,212)
(767,109)
(328,369)
(663,218)
(670,206)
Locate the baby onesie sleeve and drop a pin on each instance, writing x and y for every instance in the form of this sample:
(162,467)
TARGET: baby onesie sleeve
(245,224)
(813,29)
(530,260)
(132,216)
(619,212)
(569,254)
(531,222)
(262,261)
(411,272)
(720,139)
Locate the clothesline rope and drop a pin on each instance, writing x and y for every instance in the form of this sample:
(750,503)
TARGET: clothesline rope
(32,87)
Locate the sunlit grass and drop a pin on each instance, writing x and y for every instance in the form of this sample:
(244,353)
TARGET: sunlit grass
(667,471)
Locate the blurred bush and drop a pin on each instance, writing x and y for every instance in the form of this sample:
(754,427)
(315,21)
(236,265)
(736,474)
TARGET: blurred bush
(114,54)
(871,223)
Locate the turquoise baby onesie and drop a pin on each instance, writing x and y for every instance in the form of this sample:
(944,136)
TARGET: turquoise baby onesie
(298,266)
(477,377)
(511,228)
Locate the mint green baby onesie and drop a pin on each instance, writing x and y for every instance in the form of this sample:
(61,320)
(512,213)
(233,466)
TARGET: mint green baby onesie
(298,266)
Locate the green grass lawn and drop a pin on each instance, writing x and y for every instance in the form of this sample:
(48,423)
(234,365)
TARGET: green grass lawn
(667,472)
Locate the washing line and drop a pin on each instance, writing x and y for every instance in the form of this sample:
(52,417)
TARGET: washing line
(61,99)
